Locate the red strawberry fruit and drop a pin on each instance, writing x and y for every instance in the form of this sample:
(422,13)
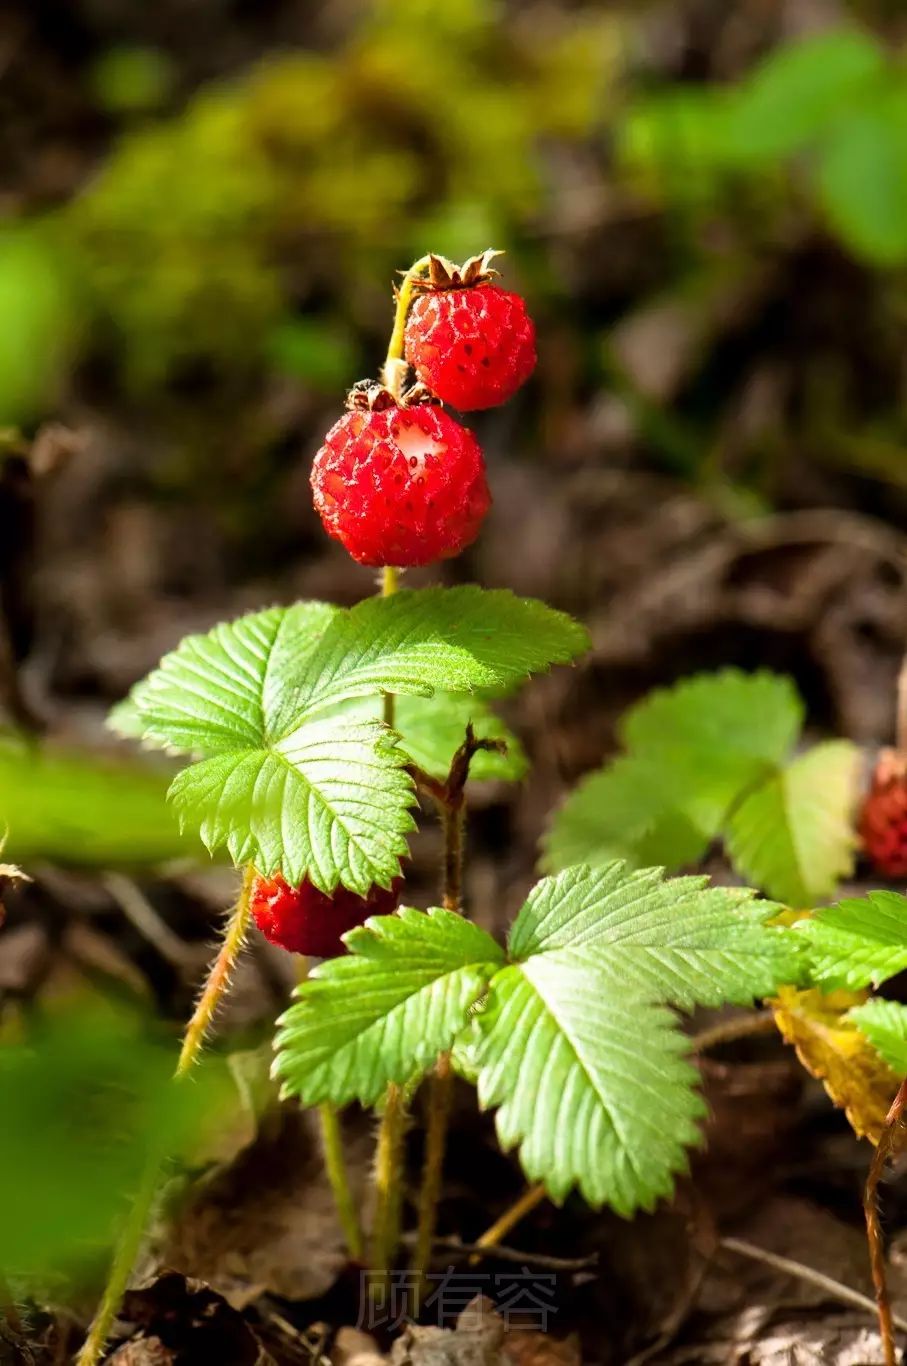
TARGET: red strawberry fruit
(883,819)
(304,920)
(469,341)
(399,483)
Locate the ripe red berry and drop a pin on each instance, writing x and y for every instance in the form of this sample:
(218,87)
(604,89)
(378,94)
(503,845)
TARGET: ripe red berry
(400,485)
(469,341)
(883,819)
(304,920)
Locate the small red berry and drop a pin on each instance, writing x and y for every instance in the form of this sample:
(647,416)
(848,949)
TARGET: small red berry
(400,485)
(469,341)
(883,819)
(304,920)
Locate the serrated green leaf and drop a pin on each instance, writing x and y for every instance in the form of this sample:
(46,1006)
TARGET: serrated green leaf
(694,749)
(285,781)
(329,802)
(227,689)
(856,943)
(793,836)
(576,1045)
(595,1094)
(384,1013)
(453,639)
(679,941)
(884,1024)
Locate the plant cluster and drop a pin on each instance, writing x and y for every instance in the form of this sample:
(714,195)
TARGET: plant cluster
(312,732)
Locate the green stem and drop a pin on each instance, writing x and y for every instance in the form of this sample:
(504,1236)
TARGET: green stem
(127,1250)
(527,1202)
(440,1095)
(335,1167)
(133,1232)
(388,1182)
(392,1128)
(874,1238)
(394,369)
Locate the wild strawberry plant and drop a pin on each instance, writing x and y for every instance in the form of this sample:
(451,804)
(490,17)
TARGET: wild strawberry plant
(312,732)
(719,756)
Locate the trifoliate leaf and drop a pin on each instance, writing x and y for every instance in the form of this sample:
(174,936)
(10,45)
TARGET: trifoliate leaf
(859,942)
(834,1050)
(285,781)
(385,1012)
(575,1044)
(694,749)
(793,835)
(885,1025)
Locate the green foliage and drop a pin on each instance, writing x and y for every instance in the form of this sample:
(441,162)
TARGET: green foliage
(85,1091)
(884,1023)
(37,338)
(285,777)
(709,757)
(75,809)
(859,942)
(861,179)
(828,110)
(384,1013)
(168,246)
(132,80)
(793,836)
(798,91)
(572,1039)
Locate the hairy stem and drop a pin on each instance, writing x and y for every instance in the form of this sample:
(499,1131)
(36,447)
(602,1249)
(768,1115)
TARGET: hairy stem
(509,1219)
(729,1031)
(219,975)
(388,1182)
(335,1167)
(452,821)
(873,1223)
(394,369)
(440,1094)
(392,1128)
(451,800)
(332,1156)
(125,1256)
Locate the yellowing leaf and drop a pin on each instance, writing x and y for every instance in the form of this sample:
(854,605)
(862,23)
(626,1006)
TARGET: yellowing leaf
(833,1050)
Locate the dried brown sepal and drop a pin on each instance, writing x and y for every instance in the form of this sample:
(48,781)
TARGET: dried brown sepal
(444,274)
(368,395)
